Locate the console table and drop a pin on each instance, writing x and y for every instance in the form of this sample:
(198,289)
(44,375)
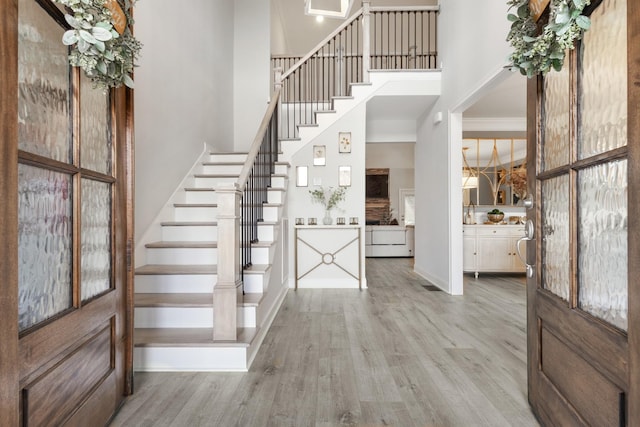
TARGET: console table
(328,256)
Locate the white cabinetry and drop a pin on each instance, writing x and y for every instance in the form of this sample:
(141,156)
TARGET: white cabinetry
(388,241)
(492,248)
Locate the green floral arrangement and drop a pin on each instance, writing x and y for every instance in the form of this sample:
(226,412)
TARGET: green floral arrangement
(106,56)
(537,53)
(328,197)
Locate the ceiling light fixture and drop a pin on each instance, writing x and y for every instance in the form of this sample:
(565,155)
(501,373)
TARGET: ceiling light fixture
(328,8)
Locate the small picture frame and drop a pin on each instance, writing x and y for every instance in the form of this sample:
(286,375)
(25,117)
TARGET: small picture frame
(299,221)
(344,176)
(302,176)
(344,142)
(340,220)
(353,220)
(319,155)
(312,221)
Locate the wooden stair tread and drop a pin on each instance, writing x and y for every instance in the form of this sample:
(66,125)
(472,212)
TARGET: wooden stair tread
(182,244)
(257,269)
(189,223)
(251,299)
(195,205)
(228,153)
(188,337)
(154,269)
(174,300)
(223,163)
(216,175)
(262,244)
(200,189)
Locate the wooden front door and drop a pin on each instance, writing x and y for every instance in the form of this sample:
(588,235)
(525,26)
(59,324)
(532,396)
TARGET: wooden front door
(583,295)
(66,187)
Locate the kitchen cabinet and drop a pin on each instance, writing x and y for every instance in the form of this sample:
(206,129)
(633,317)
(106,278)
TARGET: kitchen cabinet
(492,248)
(388,241)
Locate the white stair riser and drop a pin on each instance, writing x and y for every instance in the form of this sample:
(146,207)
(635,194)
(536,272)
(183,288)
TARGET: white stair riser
(175,283)
(271,213)
(266,233)
(162,359)
(246,317)
(189,233)
(201,197)
(254,283)
(210,182)
(260,255)
(222,169)
(222,158)
(182,256)
(278,182)
(275,196)
(195,214)
(173,317)
(282,169)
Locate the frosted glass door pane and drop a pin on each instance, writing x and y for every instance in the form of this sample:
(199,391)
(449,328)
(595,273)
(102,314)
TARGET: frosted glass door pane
(95,274)
(602,199)
(44,244)
(95,134)
(603,81)
(555,123)
(43,85)
(555,236)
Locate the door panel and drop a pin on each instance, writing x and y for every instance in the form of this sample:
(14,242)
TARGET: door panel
(74,230)
(580,168)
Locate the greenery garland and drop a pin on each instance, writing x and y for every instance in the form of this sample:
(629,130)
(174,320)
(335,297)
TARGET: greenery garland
(107,57)
(537,53)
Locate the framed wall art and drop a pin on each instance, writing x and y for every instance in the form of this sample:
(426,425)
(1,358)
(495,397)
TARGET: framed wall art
(344,140)
(319,155)
(344,176)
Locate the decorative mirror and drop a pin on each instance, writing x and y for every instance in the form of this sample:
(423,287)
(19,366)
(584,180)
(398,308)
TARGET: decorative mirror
(494,171)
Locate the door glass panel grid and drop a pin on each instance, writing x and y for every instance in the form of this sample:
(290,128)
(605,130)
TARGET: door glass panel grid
(44,85)
(45,244)
(555,235)
(602,237)
(95,128)
(556,120)
(602,94)
(95,231)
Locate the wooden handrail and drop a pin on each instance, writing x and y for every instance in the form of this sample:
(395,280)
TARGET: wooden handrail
(320,45)
(348,22)
(257,141)
(404,8)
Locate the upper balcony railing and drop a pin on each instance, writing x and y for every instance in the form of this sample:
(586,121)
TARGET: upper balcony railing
(397,38)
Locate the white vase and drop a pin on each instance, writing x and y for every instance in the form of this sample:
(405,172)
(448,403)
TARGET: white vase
(327,220)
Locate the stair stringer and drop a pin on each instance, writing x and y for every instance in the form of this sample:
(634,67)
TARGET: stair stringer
(153,232)
(382,83)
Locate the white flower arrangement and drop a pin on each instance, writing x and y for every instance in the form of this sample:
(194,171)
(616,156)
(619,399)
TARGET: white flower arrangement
(106,56)
(537,53)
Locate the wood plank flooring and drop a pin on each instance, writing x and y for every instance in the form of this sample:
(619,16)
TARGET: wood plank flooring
(396,354)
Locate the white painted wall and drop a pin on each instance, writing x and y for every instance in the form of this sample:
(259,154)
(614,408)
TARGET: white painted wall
(398,157)
(473,52)
(181,79)
(299,200)
(251,68)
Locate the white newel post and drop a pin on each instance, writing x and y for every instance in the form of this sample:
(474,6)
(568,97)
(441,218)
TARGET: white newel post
(227,292)
(366,40)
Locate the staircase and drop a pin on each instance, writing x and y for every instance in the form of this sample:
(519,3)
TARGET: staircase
(174,290)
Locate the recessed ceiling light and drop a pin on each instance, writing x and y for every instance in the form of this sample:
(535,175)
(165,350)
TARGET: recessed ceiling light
(319,18)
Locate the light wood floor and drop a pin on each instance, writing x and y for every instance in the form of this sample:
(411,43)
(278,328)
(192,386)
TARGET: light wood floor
(396,354)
